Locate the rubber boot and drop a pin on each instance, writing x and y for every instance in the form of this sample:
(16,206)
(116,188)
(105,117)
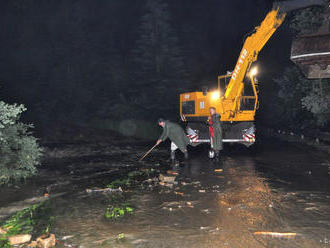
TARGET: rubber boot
(217,155)
(186,156)
(173,156)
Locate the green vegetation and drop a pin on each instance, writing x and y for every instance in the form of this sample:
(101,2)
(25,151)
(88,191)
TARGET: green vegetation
(141,174)
(317,102)
(19,150)
(114,213)
(117,204)
(119,183)
(300,103)
(118,207)
(4,242)
(134,175)
(121,236)
(132,178)
(34,220)
(308,20)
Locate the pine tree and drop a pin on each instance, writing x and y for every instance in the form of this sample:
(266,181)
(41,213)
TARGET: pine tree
(159,69)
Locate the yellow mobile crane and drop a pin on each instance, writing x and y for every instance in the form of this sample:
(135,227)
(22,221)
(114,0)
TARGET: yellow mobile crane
(236,97)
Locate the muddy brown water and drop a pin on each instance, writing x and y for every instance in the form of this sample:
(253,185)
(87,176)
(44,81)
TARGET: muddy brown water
(275,187)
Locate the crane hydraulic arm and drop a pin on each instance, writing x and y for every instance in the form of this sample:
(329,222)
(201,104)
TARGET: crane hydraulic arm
(251,48)
(255,42)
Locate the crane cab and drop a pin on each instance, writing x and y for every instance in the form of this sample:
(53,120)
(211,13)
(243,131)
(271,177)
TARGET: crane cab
(242,108)
(237,115)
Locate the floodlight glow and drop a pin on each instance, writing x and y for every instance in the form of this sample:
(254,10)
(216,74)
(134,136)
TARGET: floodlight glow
(253,72)
(215,95)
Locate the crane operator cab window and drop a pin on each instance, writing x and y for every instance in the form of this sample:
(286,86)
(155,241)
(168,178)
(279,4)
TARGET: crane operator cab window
(248,98)
(188,107)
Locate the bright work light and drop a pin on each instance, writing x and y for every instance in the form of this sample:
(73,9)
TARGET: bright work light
(253,72)
(215,95)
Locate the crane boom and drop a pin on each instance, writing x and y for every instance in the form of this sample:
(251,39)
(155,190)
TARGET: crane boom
(255,42)
(251,48)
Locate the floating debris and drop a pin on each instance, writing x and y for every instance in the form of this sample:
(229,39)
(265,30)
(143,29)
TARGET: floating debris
(19,239)
(183,183)
(311,209)
(106,190)
(207,211)
(166,179)
(46,241)
(170,185)
(67,237)
(215,231)
(276,234)
(171,172)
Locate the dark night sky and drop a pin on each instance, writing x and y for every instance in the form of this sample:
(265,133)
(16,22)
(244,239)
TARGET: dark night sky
(40,40)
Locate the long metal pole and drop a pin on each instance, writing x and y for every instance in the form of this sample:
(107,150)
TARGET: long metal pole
(146,154)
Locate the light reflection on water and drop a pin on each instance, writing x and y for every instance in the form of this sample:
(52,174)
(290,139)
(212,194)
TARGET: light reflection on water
(236,203)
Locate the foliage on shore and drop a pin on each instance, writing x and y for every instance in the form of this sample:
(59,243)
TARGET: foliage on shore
(34,220)
(19,150)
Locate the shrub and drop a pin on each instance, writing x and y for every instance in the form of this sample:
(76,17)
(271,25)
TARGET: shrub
(287,109)
(19,150)
(318,103)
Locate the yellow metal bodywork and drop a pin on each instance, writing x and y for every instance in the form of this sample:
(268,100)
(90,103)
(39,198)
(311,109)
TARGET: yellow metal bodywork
(229,103)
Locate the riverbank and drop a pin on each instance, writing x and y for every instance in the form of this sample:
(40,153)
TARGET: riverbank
(319,140)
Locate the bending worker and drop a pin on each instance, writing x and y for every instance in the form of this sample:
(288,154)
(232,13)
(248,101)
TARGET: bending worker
(177,136)
(215,131)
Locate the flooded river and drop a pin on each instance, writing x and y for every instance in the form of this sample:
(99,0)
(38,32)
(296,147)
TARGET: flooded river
(241,201)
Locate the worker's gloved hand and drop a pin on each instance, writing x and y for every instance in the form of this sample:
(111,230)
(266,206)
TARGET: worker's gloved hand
(158,142)
(208,121)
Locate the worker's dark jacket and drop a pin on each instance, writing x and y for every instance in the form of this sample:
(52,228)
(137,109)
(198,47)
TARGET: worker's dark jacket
(176,134)
(217,139)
